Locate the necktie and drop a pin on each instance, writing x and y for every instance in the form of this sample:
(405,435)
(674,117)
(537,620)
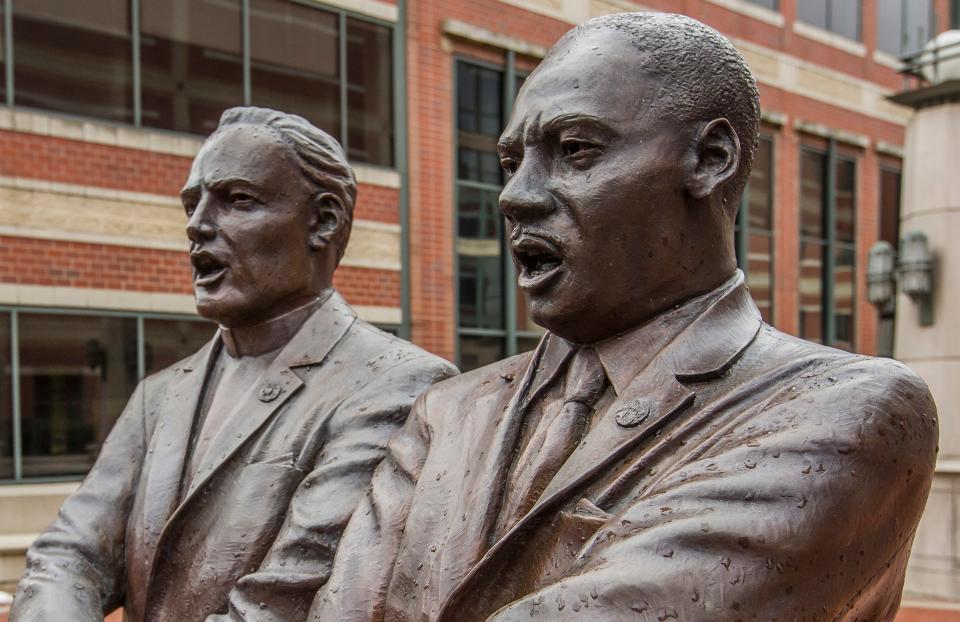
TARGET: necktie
(554,440)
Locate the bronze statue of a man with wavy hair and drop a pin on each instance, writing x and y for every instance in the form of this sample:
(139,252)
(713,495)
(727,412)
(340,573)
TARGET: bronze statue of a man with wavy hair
(662,454)
(222,490)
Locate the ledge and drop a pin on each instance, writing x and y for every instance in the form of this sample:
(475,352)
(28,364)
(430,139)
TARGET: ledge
(475,34)
(890,149)
(849,138)
(829,38)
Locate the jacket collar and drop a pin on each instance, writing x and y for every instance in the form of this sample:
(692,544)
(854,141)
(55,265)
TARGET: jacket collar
(725,322)
(310,346)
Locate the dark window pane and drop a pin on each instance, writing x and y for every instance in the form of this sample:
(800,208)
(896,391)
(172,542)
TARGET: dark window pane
(6,411)
(844,18)
(760,188)
(74,57)
(168,341)
(526,344)
(812,193)
(369,92)
(917,28)
(843,298)
(480,120)
(76,375)
(846,200)
(480,257)
(3,63)
(890,206)
(479,351)
(813,12)
(191,70)
(760,272)
(811,291)
(890,26)
(294,58)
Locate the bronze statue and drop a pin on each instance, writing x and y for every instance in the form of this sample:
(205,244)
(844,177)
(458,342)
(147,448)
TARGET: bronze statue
(663,454)
(223,488)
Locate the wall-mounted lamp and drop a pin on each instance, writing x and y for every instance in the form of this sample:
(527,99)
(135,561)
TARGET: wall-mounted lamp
(882,276)
(915,273)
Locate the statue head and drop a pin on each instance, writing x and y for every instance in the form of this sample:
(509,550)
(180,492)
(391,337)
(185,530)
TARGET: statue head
(270,205)
(626,153)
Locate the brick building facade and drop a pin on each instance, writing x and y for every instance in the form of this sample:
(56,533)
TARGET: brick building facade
(105,112)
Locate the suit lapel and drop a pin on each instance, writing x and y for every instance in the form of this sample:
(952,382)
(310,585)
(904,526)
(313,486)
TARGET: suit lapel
(490,479)
(310,346)
(705,349)
(171,439)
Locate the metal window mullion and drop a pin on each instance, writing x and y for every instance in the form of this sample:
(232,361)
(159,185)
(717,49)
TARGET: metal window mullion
(456,210)
(135,51)
(141,349)
(400,162)
(15,395)
(8,48)
(245,34)
(829,261)
(509,272)
(342,53)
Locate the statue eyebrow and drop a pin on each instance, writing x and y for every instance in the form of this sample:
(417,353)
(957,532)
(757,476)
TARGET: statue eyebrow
(579,119)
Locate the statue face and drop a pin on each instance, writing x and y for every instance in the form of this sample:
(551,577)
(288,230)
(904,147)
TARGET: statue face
(595,199)
(249,214)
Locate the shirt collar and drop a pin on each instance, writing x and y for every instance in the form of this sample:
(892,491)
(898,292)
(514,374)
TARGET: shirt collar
(627,354)
(271,335)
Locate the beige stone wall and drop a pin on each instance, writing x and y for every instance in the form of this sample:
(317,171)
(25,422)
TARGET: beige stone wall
(931,204)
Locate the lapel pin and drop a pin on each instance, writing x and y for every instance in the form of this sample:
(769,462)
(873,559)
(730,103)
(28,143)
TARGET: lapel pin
(268,392)
(633,413)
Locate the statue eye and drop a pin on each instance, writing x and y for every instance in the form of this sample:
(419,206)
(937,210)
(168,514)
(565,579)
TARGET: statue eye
(573,147)
(241,199)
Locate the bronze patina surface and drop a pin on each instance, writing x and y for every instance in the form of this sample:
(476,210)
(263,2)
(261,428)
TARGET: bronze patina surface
(223,489)
(663,454)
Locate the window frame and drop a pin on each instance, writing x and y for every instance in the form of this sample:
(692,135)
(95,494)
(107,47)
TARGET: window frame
(16,405)
(343,15)
(829,242)
(828,26)
(509,334)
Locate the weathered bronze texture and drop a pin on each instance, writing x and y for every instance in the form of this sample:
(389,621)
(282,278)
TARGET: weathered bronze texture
(222,491)
(726,471)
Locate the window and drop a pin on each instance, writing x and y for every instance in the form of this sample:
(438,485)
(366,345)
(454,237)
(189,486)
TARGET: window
(903,26)
(839,16)
(190,71)
(754,229)
(890,180)
(492,314)
(74,57)
(330,67)
(295,61)
(74,373)
(369,92)
(773,5)
(827,247)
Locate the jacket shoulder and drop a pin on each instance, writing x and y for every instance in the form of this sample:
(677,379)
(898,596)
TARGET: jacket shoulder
(369,343)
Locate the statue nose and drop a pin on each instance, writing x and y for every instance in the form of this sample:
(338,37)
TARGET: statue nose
(525,195)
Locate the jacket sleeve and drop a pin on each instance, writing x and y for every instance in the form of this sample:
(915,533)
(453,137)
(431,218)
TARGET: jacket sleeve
(300,560)
(76,567)
(365,561)
(806,512)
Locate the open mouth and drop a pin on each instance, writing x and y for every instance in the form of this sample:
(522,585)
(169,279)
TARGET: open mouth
(539,261)
(207,269)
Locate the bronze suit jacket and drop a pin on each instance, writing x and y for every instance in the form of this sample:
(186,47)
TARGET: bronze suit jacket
(742,475)
(255,533)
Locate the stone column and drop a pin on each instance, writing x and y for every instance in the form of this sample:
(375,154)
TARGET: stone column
(931,204)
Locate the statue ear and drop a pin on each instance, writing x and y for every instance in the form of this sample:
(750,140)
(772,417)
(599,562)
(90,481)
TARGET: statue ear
(716,160)
(328,219)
